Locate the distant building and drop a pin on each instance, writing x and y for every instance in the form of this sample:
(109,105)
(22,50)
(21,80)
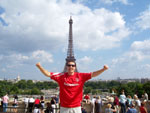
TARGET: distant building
(14,80)
(144,80)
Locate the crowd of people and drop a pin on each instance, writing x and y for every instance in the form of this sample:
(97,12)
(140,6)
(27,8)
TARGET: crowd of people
(30,104)
(90,104)
(5,100)
(115,104)
(39,105)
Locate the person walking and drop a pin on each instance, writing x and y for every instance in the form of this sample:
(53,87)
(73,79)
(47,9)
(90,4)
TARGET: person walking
(5,102)
(71,85)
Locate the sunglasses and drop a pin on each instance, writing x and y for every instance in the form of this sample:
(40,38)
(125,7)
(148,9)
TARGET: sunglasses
(69,65)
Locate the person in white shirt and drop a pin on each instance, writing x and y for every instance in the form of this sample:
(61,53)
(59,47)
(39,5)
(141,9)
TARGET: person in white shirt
(145,96)
(123,102)
(26,101)
(31,103)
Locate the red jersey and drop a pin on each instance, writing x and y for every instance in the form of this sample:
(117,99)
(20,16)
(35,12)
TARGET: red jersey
(37,101)
(71,87)
(87,97)
(142,110)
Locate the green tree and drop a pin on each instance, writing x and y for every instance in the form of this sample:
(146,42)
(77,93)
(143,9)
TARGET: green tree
(146,88)
(14,90)
(87,90)
(35,91)
(22,84)
(30,84)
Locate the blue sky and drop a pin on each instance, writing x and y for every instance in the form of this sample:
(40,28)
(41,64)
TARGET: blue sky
(112,32)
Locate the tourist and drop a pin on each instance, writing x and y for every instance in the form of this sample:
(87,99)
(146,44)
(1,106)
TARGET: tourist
(5,102)
(137,103)
(42,102)
(37,102)
(93,103)
(71,86)
(111,101)
(129,101)
(0,102)
(26,102)
(98,105)
(31,104)
(15,103)
(56,98)
(108,109)
(132,109)
(37,105)
(116,103)
(53,104)
(123,102)
(143,108)
(87,98)
(83,110)
(145,96)
(49,108)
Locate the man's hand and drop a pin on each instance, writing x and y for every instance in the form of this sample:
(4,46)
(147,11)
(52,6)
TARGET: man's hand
(98,72)
(105,67)
(38,64)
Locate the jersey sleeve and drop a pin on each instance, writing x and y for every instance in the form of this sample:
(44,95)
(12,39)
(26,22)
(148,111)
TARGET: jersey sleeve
(55,76)
(86,76)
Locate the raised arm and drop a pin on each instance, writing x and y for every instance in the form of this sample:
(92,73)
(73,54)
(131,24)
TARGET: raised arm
(45,72)
(96,73)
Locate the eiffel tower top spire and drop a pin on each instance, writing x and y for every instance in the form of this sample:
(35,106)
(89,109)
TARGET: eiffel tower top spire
(70,52)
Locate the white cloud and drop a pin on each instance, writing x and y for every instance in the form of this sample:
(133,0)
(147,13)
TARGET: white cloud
(44,24)
(85,60)
(83,63)
(42,56)
(14,57)
(143,21)
(140,50)
(129,68)
(3,70)
(104,28)
(125,2)
(113,1)
(134,62)
(38,26)
(141,45)
(13,60)
(17,60)
(146,66)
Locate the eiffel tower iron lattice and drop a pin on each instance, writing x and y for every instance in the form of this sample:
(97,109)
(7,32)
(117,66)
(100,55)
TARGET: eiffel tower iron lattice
(70,52)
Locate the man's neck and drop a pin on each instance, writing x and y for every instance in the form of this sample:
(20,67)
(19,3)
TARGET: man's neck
(70,73)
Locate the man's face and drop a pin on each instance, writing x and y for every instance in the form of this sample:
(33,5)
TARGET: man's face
(71,67)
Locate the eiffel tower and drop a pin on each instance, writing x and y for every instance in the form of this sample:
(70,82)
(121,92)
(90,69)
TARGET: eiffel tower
(70,52)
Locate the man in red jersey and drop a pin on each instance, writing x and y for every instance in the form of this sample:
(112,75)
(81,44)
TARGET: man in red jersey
(71,86)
